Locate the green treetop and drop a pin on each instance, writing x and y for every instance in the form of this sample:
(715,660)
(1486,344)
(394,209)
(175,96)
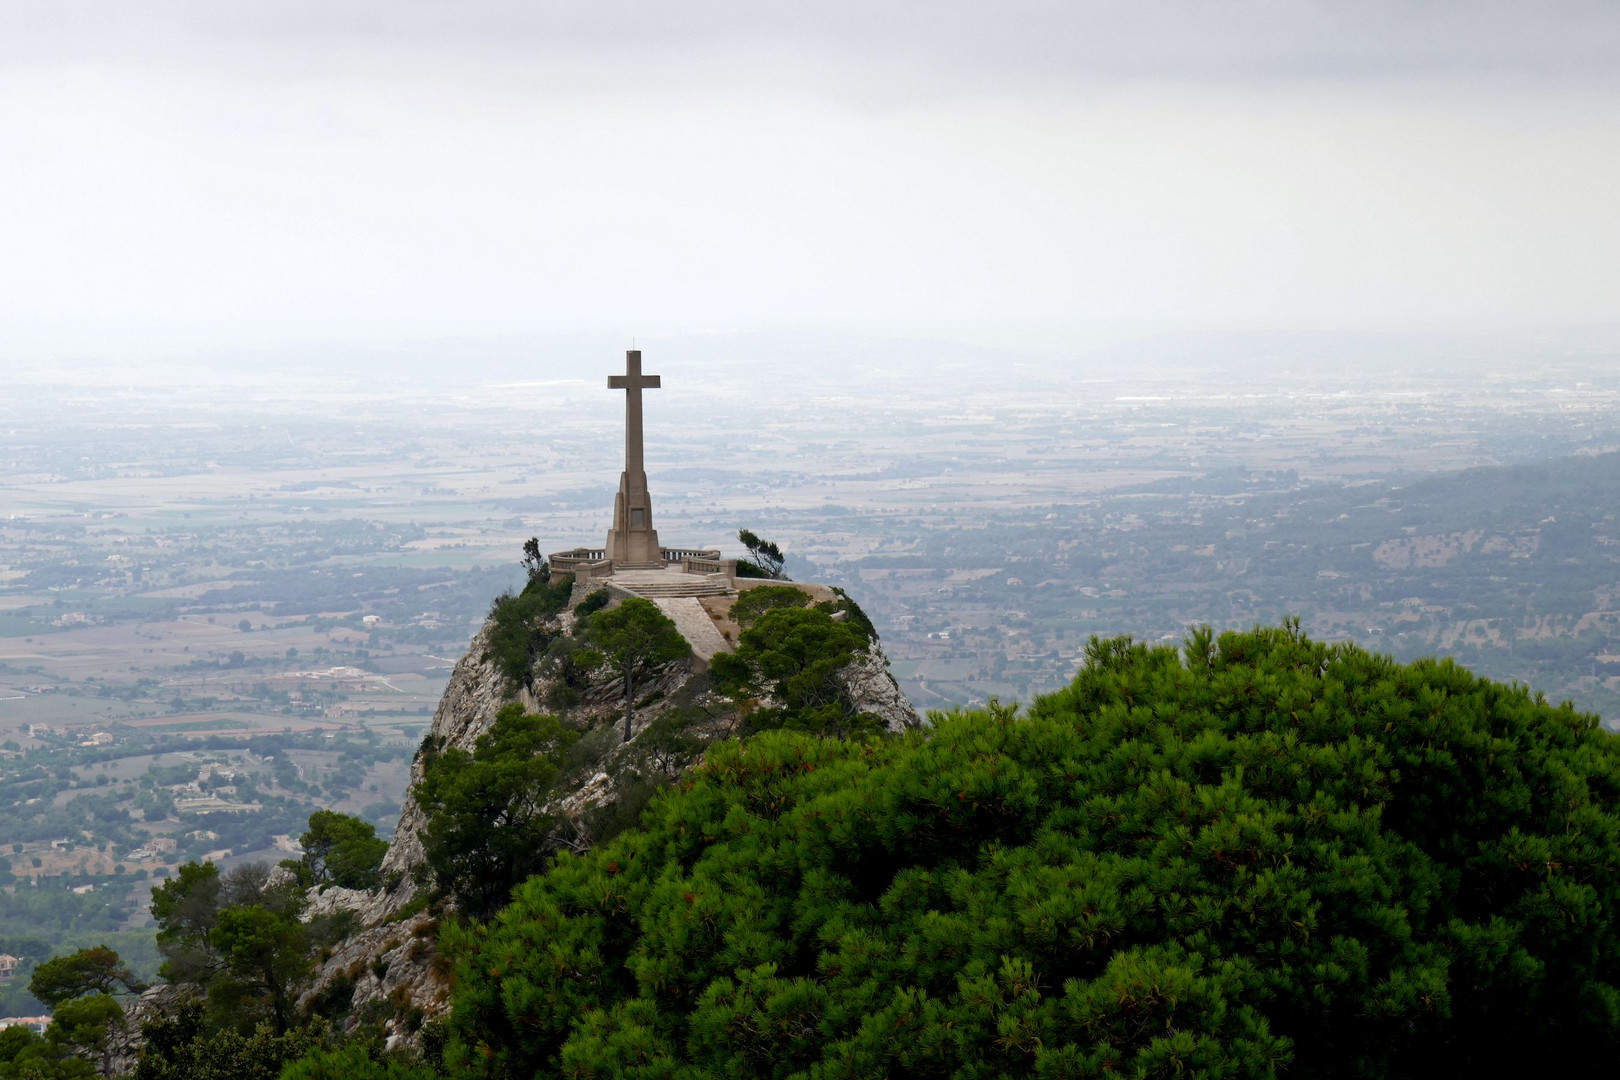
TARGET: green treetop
(488,821)
(795,655)
(765,559)
(96,970)
(1259,856)
(86,1026)
(634,639)
(342,850)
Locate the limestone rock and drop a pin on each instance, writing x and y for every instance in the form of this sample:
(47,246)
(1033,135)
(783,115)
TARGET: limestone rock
(874,690)
(389,972)
(126,1042)
(474,695)
(391,965)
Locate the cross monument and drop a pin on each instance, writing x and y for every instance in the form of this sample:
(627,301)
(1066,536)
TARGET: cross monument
(632,541)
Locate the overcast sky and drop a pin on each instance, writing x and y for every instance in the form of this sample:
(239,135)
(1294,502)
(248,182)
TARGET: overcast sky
(199,175)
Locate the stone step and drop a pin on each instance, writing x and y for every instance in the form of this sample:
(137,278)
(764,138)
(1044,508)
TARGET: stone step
(695,625)
(684,588)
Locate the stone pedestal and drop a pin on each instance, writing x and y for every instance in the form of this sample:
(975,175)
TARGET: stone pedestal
(633,542)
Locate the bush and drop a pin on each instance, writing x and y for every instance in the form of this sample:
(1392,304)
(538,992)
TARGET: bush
(795,655)
(182,1047)
(1268,853)
(355,1062)
(517,635)
(592,603)
(755,603)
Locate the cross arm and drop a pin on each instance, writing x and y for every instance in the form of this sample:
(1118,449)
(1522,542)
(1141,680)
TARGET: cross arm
(634,382)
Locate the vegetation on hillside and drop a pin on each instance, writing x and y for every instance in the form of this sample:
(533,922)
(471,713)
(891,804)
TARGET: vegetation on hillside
(1261,852)
(342,850)
(792,653)
(633,640)
(765,559)
(1257,855)
(518,635)
(488,810)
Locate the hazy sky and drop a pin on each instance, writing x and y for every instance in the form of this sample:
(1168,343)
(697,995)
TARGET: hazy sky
(194,175)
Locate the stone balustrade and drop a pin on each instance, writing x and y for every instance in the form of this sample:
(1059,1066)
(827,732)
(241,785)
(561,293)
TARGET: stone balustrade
(675,555)
(705,565)
(586,563)
(570,561)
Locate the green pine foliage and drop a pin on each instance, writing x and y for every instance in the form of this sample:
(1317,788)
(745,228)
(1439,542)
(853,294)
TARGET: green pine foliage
(765,559)
(96,970)
(27,1056)
(343,850)
(488,810)
(184,1046)
(755,603)
(634,640)
(794,655)
(1263,855)
(351,1061)
(518,633)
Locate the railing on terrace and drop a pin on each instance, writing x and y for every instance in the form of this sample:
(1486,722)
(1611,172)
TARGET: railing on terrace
(572,560)
(697,565)
(678,554)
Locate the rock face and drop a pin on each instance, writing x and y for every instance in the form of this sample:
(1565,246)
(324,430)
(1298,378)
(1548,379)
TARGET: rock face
(873,690)
(390,968)
(475,694)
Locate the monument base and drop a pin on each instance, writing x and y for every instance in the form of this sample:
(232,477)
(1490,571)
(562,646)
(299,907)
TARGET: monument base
(636,548)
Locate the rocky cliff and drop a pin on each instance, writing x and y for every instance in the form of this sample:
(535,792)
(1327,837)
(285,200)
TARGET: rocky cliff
(390,970)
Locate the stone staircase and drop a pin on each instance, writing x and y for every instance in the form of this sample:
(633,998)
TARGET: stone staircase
(683,585)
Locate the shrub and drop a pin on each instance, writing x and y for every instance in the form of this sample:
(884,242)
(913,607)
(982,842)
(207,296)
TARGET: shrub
(517,635)
(754,603)
(592,603)
(795,656)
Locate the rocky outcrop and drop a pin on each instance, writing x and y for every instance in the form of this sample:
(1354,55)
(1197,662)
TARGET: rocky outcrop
(474,695)
(390,970)
(873,690)
(390,973)
(124,1046)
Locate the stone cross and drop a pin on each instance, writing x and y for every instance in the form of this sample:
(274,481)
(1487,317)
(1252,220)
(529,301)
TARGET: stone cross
(633,541)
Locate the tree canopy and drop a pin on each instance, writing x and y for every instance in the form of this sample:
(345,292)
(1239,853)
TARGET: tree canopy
(634,639)
(342,850)
(518,633)
(27,1056)
(753,604)
(486,809)
(96,970)
(765,559)
(1262,852)
(86,1025)
(241,938)
(183,1046)
(794,655)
